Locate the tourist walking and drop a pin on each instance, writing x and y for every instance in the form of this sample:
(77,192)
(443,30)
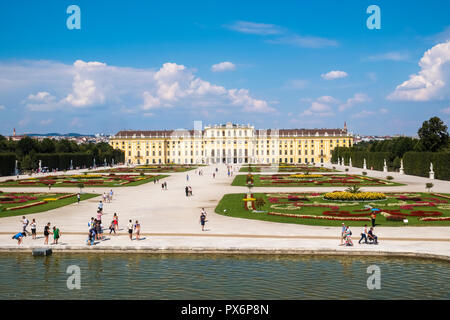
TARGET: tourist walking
(116,222)
(56,235)
(363,235)
(348,238)
(78,198)
(343,229)
(25,223)
(19,236)
(162,186)
(190,191)
(100,206)
(46,232)
(111,193)
(104,197)
(33,229)
(187,177)
(165,185)
(186,190)
(137,230)
(130,229)
(203,220)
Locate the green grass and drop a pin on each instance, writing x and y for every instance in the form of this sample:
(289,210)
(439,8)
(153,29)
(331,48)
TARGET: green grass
(43,207)
(112,184)
(240,180)
(234,207)
(281,169)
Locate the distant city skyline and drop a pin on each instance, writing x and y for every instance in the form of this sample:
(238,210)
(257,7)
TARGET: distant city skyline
(154,65)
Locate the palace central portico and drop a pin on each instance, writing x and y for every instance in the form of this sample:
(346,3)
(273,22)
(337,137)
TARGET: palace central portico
(230,143)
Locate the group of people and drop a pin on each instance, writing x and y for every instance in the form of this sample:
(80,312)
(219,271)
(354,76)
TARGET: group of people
(108,196)
(346,236)
(47,231)
(164,186)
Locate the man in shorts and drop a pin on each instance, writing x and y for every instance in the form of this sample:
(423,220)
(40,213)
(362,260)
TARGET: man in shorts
(130,229)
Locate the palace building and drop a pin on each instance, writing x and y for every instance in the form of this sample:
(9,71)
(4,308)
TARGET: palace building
(230,143)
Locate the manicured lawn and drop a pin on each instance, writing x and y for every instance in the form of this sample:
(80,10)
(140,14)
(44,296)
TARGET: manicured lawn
(285,168)
(312,180)
(36,198)
(411,206)
(89,180)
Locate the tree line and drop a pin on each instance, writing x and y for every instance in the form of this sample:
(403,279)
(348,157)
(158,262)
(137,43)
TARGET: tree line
(53,154)
(432,145)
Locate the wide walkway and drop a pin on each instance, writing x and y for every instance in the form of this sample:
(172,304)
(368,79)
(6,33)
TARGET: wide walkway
(170,220)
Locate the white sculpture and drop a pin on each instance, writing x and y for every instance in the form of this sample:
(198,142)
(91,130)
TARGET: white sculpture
(350,162)
(431,171)
(402,171)
(364,164)
(385,169)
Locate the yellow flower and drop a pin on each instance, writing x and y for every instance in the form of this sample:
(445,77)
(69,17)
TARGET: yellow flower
(50,199)
(248,199)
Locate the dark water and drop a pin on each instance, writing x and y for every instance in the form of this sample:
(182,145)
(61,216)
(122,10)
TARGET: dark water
(141,276)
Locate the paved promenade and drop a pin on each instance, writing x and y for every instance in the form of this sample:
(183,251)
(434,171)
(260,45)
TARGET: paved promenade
(170,220)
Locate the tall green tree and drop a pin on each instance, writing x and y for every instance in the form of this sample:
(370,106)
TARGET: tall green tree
(433,135)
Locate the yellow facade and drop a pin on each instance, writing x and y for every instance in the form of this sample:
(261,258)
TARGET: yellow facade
(230,143)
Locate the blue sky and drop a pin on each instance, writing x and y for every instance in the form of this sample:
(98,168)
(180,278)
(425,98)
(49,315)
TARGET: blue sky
(158,64)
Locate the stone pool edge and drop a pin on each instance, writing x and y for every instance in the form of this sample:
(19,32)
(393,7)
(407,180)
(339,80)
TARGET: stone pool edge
(234,251)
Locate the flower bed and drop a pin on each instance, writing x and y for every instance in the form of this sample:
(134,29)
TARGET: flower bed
(348,196)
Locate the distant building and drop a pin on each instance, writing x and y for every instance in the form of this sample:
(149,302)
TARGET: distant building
(230,143)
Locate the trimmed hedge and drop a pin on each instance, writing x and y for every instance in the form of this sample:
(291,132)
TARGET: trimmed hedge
(418,164)
(373,159)
(7,164)
(61,161)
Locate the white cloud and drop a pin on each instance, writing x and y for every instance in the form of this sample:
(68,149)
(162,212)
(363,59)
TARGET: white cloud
(2,107)
(95,84)
(363,114)
(318,109)
(284,35)
(305,41)
(223,66)
(335,74)
(41,101)
(296,84)
(431,83)
(384,111)
(327,99)
(391,56)
(46,122)
(85,92)
(255,28)
(356,99)
(446,111)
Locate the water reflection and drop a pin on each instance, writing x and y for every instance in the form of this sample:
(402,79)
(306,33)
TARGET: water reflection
(140,276)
